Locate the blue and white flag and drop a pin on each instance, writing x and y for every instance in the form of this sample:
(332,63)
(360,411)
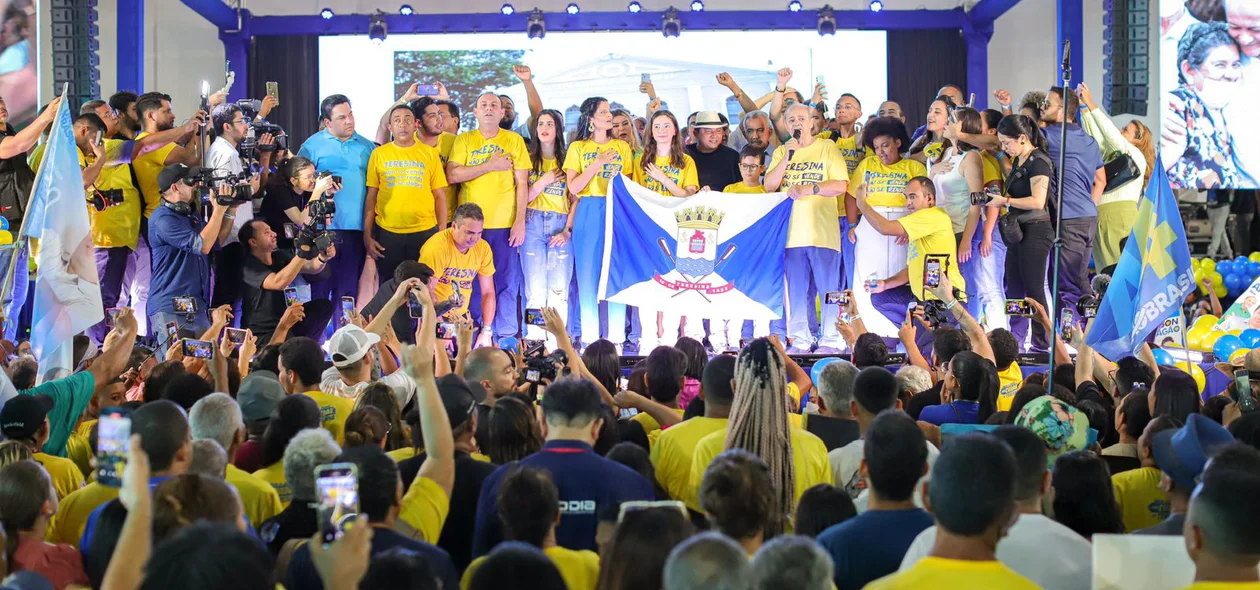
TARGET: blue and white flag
(713,255)
(67,288)
(1152,278)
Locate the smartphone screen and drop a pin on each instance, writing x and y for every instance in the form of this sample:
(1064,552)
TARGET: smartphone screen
(933,266)
(1242,384)
(273,90)
(111,316)
(534,317)
(347,310)
(184,304)
(427,89)
(1066,324)
(446,330)
(290,296)
(1018,307)
(113,436)
(290,230)
(1089,311)
(172,332)
(835,298)
(201,349)
(235,336)
(414,308)
(645,78)
(337,485)
(532,375)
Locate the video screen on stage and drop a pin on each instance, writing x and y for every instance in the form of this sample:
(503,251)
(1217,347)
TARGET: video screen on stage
(569,67)
(19,76)
(1209,73)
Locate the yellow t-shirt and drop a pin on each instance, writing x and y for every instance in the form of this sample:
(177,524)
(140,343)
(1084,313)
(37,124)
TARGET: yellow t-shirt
(579,569)
(1223,586)
(66,477)
(1008,385)
(333,411)
(405,178)
(672,453)
(454,269)
(930,232)
(809,461)
(850,151)
(555,197)
(261,502)
(118,225)
(742,189)
(582,153)
(991,166)
(813,217)
(683,177)
(424,509)
(648,422)
(402,454)
(444,144)
(495,192)
(79,448)
(887,183)
(71,518)
(1142,503)
(931,573)
(147,168)
(273,475)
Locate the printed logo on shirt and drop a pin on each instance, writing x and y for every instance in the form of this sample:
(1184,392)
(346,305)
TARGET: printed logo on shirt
(855,485)
(483,154)
(556,188)
(398,173)
(610,170)
(1159,509)
(803,172)
(577,507)
(327,413)
(892,184)
(460,277)
(656,186)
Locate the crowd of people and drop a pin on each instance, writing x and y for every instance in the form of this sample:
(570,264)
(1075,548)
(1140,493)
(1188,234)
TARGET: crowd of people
(353,307)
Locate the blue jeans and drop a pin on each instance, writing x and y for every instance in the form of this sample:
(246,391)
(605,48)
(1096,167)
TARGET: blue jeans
(14,300)
(507,285)
(547,269)
(588,260)
(985,281)
(846,256)
(820,268)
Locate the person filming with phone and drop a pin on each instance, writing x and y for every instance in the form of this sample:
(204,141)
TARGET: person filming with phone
(270,278)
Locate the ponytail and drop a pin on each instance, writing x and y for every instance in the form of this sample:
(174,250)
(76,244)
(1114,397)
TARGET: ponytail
(977,381)
(1017,125)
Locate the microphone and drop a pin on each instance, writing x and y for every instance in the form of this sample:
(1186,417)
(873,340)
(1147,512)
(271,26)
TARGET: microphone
(797,136)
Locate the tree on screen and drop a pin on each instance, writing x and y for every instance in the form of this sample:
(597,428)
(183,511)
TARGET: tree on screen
(465,73)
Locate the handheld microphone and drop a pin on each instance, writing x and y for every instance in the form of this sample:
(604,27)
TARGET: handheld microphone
(797,136)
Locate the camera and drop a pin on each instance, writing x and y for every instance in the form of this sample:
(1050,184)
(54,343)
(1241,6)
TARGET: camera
(1087,306)
(211,179)
(983,198)
(249,147)
(934,312)
(104,199)
(546,367)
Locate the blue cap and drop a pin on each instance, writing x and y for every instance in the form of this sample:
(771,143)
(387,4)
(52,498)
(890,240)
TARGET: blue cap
(509,343)
(1182,453)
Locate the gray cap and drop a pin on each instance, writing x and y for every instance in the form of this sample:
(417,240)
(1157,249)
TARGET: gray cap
(259,394)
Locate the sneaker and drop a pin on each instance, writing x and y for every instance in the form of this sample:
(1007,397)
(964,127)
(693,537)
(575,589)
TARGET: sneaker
(630,349)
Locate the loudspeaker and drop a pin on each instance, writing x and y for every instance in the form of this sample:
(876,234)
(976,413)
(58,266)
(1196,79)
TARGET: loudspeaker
(75,45)
(1126,47)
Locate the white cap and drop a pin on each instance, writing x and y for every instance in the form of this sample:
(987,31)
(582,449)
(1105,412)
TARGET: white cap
(349,344)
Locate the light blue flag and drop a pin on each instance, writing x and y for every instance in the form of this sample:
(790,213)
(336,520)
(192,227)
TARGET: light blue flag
(1153,276)
(67,288)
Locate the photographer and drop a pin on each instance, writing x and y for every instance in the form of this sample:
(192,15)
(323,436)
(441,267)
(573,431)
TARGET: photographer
(287,194)
(268,272)
(181,242)
(231,127)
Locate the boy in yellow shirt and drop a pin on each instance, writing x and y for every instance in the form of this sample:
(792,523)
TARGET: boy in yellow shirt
(1010,376)
(301,367)
(750,170)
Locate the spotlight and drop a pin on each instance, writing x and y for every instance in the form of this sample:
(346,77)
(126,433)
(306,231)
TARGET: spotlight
(376,28)
(507,10)
(826,21)
(326,14)
(670,27)
(406,10)
(634,8)
(697,6)
(876,6)
(794,6)
(537,27)
(572,8)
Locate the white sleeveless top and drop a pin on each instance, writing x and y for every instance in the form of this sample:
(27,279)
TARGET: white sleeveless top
(953,194)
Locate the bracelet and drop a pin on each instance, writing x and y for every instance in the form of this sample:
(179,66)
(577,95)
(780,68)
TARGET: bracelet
(777,89)
(229,216)
(321,259)
(854,318)
(950,305)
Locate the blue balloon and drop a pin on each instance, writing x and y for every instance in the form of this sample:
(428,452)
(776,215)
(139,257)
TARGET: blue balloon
(1234,281)
(1253,269)
(1225,267)
(509,343)
(4,223)
(1241,260)
(1163,357)
(1250,338)
(815,372)
(1225,346)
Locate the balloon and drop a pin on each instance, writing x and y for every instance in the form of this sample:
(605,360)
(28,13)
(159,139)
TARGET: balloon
(1210,339)
(1217,278)
(5,237)
(1195,339)
(1196,373)
(1209,265)
(1241,260)
(1239,354)
(815,372)
(1236,332)
(1254,257)
(1208,320)
(1225,267)
(1163,357)
(1250,337)
(1221,291)
(4,225)
(1253,269)
(1233,281)
(1225,345)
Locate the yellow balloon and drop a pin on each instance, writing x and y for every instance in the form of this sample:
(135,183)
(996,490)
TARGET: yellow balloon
(1195,338)
(1237,354)
(6,237)
(1208,265)
(1254,257)
(1209,340)
(1221,291)
(1196,373)
(1205,320)
(1235,332)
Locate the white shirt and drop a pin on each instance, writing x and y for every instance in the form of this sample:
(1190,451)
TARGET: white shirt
(223,157)
(845,467)
(404,388)
(1051,555)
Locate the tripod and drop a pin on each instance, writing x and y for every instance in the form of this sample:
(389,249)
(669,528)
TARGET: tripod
(1056,252)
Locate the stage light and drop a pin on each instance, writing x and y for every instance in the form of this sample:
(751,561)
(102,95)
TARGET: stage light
(406,10)
(876,6)
(826,21)
(326,14)
(670,27)
(697,6)
(635,8)
(376,28)
(794,6)
(537,28)
(507,10)
(572,8)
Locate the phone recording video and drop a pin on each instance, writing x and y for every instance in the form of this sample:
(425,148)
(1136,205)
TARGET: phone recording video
(184,304)
(113,436)
(414,308)
(534,317)
(836,298)
(347,310)
(427,89)
(235,336)
(290,231)
(532,375)
(337,485)
(201,349)
(290,296)
(933,266)
(1243,394)
(172,332)
(446,330)
(1018,307)
(1067,323)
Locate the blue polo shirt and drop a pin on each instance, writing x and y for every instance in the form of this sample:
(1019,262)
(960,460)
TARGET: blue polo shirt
(349,160)
(179,267)
(587,484)
(1082,160)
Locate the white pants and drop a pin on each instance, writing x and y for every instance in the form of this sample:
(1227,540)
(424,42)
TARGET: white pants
(136,279)
(876,256)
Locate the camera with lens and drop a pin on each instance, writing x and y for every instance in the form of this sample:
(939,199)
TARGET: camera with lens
(983,198)
(934,312)
(104,199)
(545,368)
(211,179)
(249,147)
(1087,307)
(311,240)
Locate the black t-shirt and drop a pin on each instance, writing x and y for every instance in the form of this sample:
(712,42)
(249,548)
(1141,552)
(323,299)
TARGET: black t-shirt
(457,533)
(923,399)
(404,325)
(834,432)
(278,197)
(16,180)
(717,168)
(261,307)
(1019,185)
(297,521)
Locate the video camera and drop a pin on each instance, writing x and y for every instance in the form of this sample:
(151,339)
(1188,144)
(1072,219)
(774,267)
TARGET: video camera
(249,147)
(211,179)
(104,199)
(545,367)
(314,237)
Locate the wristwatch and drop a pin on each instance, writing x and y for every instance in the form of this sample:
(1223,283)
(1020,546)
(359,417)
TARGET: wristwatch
(815,188)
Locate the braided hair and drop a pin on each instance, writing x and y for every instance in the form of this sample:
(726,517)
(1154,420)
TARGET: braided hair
(759,421)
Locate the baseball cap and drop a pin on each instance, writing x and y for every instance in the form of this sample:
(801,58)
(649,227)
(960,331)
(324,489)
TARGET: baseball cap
(1241,359)
(24,415)
(457,398)
(174,173)
(708,119)
(349,344)
(1060,426)
(1183,452)
(259,394)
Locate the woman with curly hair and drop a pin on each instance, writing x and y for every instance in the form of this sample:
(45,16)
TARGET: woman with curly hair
(1209,69)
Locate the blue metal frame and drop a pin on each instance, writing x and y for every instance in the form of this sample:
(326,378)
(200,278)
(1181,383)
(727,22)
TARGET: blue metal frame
(130,45)
(1071,27)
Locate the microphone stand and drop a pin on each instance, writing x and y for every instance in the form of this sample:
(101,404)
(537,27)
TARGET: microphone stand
(1058,214)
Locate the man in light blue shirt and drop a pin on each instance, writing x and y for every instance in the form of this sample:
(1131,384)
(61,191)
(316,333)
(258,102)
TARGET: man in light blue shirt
(341,151)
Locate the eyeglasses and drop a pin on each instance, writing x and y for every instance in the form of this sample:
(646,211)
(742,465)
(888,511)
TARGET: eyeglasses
(1045,103)
(749,166)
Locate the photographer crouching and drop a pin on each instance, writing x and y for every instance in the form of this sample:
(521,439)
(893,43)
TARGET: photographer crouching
(271,307)
(232,129)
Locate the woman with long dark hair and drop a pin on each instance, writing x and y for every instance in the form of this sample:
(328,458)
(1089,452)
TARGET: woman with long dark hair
(642,541)
(591,163)
(1175,394)
(969,390)
(294,414)
(547,253)
(1025,224)
(1084,500)
(27,505)
(287,194)
(931,146)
